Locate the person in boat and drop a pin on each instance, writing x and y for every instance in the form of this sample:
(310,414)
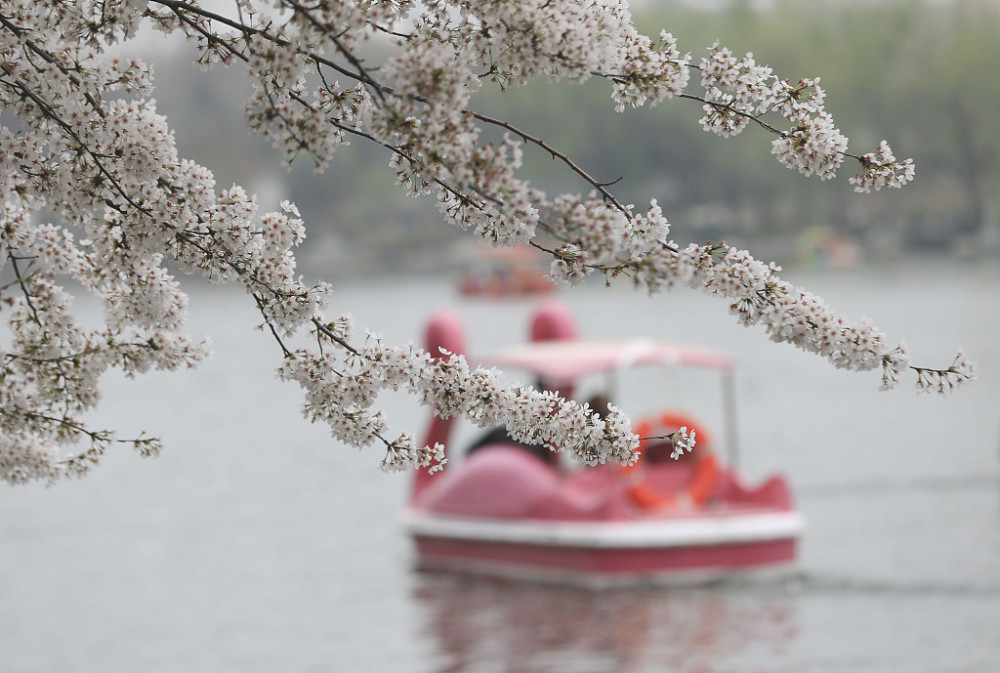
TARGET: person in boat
(599,404)
(499,436)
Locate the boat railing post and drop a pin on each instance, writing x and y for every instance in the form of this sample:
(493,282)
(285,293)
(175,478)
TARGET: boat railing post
(611,384)
(729,409)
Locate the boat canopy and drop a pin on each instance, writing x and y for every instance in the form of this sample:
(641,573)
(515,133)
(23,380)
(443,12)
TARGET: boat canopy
(571,359)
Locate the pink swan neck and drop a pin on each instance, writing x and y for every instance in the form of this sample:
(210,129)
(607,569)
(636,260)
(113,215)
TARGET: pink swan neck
(444,331)
(553,321)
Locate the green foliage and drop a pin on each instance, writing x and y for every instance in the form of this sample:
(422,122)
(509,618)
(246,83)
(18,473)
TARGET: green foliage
(926,75)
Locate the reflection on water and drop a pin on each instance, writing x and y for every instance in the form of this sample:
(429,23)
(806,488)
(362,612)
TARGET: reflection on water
(481,625)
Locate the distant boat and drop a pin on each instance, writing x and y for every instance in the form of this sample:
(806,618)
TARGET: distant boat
(824,248)
(507,510)
(506,272)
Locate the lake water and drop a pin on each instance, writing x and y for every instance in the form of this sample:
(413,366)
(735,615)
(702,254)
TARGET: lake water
(256,544)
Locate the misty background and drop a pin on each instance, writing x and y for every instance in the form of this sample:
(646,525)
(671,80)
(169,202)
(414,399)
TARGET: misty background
(925,77)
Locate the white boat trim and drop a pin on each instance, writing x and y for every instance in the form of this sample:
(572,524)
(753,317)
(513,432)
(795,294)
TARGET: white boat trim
(647,533)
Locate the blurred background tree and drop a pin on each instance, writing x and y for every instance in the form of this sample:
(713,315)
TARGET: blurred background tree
(924,76)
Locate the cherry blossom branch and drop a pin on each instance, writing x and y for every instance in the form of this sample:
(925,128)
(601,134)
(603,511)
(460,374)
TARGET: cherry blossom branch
(49,112)
(107,165)
(21,281)
(183,9)
(363,73)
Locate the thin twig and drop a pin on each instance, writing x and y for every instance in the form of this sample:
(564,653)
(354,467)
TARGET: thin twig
(556,154)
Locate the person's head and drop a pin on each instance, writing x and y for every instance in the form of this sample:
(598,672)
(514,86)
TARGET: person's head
(599,404)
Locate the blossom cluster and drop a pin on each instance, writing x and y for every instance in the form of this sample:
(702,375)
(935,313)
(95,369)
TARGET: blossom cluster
(437,150)
(739,90)
(595,234)
(95,196)
(683,441)
(651,72)
(944,381)
(880,169)
(520,40)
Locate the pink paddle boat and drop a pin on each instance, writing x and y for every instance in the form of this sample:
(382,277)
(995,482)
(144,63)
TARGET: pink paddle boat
(513,511)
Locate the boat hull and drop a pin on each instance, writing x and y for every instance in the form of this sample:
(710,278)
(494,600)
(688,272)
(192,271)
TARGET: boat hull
(672,550)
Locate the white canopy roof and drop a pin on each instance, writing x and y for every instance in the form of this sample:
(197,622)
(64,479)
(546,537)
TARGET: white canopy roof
(567,360)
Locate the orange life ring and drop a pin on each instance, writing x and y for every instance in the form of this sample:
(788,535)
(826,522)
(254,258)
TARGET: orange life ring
(704,480)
